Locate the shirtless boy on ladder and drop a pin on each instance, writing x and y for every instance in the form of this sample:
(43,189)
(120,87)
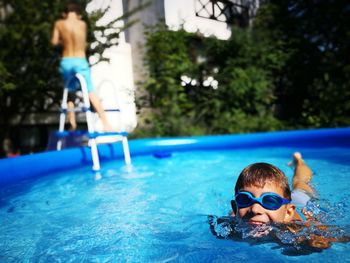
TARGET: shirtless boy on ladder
(70,32)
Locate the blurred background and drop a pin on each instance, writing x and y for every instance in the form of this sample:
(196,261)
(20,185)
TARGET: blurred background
(185,67)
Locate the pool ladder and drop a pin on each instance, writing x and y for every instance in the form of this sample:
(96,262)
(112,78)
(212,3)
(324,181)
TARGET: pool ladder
(91,133)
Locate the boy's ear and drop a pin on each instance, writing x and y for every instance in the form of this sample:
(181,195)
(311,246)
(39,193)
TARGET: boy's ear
(290,213)
(234,208)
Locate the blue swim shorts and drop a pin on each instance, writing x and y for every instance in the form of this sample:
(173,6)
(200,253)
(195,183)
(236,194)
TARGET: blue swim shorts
(69,66)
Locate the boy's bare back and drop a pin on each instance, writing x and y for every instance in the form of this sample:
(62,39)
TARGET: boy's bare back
(71,33)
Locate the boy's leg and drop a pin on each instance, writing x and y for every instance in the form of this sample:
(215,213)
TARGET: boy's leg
(71,115)
(100,111)
(302,174)
(84,69)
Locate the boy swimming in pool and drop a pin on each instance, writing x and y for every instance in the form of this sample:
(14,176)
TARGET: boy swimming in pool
(262,193)
(263,200)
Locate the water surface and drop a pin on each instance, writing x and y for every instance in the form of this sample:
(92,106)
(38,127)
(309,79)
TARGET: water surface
(156,210)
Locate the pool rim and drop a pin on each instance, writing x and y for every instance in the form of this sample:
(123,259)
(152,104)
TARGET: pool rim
(13,170)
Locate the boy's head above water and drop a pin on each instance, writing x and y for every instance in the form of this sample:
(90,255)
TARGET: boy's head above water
(258,174)
(262,195)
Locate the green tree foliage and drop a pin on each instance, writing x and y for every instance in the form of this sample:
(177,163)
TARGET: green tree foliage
(168,57)
(313,89)
(247,64)
(243,100)
(29,77)
(289,70)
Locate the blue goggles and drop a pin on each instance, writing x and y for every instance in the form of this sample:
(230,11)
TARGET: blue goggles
(270,201)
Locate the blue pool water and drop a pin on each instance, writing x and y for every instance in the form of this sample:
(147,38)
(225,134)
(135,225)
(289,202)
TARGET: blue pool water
(156,211)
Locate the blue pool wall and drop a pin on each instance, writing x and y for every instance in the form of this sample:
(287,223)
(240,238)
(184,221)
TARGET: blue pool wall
(16,169)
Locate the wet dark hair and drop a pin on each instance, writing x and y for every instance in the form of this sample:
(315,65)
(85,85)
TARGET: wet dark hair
(258,174)
(73,7)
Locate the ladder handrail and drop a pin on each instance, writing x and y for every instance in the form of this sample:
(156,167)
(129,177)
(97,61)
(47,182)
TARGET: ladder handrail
(92,141)
(91,133)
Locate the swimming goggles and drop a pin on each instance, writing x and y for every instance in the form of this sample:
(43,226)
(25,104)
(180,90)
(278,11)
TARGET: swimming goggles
(270,201)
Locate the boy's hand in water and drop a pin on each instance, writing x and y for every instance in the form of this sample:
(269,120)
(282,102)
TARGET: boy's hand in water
(320,242)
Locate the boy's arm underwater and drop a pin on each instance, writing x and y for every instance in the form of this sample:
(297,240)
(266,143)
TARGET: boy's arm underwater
(309,235)
(317,236)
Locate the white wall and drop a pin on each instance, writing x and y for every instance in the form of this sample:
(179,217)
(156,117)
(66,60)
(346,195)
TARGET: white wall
(113,80)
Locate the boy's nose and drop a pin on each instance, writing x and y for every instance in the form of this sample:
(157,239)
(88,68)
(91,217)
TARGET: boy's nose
(256,208)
